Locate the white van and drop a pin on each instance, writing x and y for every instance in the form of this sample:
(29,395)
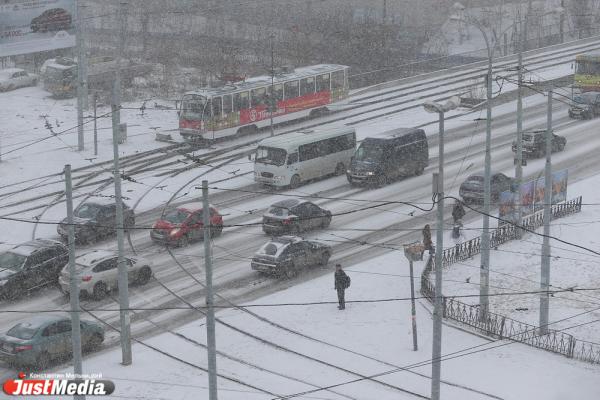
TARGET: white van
(289,160)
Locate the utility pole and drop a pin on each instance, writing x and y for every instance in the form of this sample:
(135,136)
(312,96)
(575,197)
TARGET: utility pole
(412,255)
(436,364)
(73,282)
(545,270)
(272,99)
(526,27)
(484,272)
(120,49)
(210,316)
(562,21)
(519,155)
(81,77)
(95,124)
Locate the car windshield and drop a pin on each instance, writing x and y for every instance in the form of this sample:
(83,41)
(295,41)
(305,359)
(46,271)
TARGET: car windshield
(279,211)
(23,330)
(194,107)
(87,211)
(176,216)
(368,152)
(12,261)
(585,98)
(475,178)
(270,155)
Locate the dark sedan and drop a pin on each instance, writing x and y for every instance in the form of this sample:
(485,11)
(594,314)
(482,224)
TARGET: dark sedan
(294,216)
(31,265)
(38,340)
(472,189)
(94,221)
(286,255)
(585,105)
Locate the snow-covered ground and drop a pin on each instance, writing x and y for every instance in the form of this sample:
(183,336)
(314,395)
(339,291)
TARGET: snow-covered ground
(367,338)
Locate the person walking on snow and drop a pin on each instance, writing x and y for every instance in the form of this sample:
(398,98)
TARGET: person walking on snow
(458,212)
(427,243)
(342,282)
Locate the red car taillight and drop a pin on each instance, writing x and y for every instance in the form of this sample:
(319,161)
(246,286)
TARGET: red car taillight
(23,348)
(287,221)
(86,278)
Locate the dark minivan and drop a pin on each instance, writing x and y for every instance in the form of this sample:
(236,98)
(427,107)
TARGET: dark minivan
(397,153)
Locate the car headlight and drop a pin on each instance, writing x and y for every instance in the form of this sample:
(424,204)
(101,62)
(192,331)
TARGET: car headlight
(348,171)
(370,173)
(174,232)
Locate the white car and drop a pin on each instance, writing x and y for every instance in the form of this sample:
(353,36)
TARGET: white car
(97,273)
(13,78)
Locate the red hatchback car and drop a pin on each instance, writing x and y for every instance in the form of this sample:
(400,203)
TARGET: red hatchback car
(182,225)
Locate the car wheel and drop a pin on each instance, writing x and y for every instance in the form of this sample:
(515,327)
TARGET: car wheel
(95,342)
(326,221)
(183,241)
(381,180)
(100,291)
(340,169)
(144,275)
(419,170)
(291,271)
(216,231)
(325,258)
(561,146)
(42,361)
(295,182)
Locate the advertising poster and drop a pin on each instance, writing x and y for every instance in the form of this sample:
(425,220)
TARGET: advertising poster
(559,186)
(508,206)
(527,190)
(29,26)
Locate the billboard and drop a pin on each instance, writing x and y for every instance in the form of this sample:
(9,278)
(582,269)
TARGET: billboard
(29,26)
(532,196)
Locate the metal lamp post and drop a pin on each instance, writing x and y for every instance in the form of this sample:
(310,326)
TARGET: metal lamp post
(436,365)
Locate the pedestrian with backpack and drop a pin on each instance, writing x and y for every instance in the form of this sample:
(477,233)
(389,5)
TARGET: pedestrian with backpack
(342,282)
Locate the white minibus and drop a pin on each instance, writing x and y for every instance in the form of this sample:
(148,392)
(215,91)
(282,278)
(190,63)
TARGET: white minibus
(293,158)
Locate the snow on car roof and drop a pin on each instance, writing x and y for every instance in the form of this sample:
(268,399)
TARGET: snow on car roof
(275,246)
(288,203)
(93,257)
(38,321)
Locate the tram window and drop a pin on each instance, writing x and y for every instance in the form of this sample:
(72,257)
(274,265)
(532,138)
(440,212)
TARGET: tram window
(322,82)
(241,101)
(307,86)
(226,104)
(258,96)
(216,107)
(291,89)
(337,80)
(278,90)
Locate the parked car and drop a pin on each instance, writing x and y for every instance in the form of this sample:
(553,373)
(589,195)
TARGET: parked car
(13,78)
(95,220)
(31,265)
(286,255)
(394,154)
(294,216)
(534,145)
(54,19)
(585,105)
(184,224)
(471,190)
(38,340)
(97,273)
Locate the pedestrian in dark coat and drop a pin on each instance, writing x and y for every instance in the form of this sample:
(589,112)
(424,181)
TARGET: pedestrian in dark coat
(458,212)
(342,281)
(427,239)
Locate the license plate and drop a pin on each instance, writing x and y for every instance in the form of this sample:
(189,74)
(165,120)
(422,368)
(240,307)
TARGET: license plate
(7,347)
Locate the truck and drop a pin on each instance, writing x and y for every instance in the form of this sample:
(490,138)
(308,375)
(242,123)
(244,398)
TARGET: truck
(59,75)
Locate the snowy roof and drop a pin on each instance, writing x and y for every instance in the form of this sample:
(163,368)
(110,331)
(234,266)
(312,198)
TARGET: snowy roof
(92,258)
(265,80)
(291,141)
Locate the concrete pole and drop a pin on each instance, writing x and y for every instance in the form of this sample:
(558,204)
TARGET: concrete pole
(81,78)
(485,235)
(413,311)
(95,124)
(122,267)
(562,21)
(74,283)
(272,97)
(545,270)
(526,27)
(436,364)
(210,315)
(519,155)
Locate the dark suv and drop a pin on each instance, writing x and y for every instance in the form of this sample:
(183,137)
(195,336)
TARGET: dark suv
(54,19)
(31,265)
(96,220)
(293,216)
(585,105)
(286,255)
(534,145)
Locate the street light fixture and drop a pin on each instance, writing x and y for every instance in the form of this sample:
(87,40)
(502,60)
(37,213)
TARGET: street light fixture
(436,366)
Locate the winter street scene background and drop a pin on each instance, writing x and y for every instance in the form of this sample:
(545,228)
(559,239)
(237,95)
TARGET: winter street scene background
(299,199)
